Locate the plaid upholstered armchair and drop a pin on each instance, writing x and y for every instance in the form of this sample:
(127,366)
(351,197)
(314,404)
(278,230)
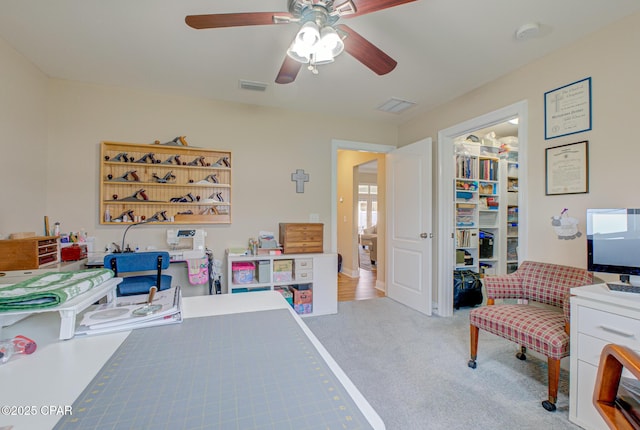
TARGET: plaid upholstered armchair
(540,319)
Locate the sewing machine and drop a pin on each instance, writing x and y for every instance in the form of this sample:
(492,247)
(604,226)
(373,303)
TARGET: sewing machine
(178,252)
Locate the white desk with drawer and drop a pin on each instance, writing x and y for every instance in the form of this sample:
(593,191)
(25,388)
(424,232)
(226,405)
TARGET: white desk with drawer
(598,317)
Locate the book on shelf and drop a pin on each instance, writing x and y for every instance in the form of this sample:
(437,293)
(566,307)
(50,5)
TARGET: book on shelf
(465,205)
(120,316)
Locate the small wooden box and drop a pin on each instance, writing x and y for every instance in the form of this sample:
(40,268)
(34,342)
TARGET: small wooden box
(29,253)
(301,238)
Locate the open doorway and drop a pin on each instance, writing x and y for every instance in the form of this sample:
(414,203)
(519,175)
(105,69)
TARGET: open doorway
(366,201)
(447,212)
(347,157)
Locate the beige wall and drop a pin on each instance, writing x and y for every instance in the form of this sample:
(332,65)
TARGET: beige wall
(610,58)
(56,127)
(52,129)
(23,144)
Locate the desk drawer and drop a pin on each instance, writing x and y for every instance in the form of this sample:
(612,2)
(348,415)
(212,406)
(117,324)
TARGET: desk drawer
(303,263)
(590,348)
(303,275)
(609,327)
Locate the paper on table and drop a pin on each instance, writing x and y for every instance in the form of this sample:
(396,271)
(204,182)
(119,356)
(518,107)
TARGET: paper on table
(108,316)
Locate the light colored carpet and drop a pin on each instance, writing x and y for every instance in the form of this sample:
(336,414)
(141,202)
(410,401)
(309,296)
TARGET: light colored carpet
(365,259)
(413,370)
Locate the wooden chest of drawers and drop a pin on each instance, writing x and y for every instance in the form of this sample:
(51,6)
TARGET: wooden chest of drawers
(29,253)
(301,238)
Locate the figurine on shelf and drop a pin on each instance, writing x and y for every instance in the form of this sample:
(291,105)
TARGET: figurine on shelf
(121,157)
(126,216)
(197,161)
(169,177)
(222,162)
(158,216)
(173,159)
(150,156)
(137,196)
(125,177)
(178,141)
(209,211)
(217,196)
(209,179)
(187,198)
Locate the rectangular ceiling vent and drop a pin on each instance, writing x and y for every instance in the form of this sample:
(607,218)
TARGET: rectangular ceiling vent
(394,105)
(253,86)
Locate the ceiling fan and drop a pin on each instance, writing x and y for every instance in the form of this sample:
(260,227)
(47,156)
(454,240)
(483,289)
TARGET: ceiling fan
(320,39)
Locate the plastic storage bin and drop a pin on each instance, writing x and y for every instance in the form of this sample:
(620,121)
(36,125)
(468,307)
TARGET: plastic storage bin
(242,272)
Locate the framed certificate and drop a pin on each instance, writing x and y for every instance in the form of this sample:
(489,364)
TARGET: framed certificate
(567,169)
(567,110)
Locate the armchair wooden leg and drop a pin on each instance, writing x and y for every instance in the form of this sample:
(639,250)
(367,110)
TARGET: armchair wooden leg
(553,368)
(473,338)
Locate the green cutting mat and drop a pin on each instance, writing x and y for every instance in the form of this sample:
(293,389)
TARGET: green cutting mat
(244,371)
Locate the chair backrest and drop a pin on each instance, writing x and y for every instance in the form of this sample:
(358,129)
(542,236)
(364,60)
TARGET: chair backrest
(550,283)
(137,261)
(150,264)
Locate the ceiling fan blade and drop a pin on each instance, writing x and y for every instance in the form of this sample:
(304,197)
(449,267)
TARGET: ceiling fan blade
(219,20)
(368,6)
(288,71)
(366,52)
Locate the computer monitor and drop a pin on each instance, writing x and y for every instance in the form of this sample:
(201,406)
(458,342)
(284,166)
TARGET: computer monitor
(613,242)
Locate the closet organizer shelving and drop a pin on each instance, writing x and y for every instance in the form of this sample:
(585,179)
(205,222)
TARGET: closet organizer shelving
(486,207)
(171,184)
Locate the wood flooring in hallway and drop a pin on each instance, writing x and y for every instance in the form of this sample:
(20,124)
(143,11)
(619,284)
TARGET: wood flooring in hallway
(361,288)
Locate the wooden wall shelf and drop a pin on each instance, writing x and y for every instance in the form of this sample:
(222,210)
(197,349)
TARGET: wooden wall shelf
(177,184)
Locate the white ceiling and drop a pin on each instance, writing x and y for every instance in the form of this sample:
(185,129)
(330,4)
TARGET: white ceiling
(444,48)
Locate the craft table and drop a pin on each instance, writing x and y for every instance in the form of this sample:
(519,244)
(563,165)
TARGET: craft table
(61,373)
(68,310)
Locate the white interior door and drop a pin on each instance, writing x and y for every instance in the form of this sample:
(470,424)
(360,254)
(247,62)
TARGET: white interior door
(409,225)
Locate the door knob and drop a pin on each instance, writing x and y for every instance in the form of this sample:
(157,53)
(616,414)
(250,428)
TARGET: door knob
(424,235)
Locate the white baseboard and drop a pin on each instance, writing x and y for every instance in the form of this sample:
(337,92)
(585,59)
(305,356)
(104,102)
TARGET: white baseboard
(352,273)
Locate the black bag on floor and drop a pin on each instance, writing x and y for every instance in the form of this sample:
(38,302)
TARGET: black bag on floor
(467,288)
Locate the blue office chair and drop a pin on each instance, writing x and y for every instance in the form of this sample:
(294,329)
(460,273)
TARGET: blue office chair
(139,262)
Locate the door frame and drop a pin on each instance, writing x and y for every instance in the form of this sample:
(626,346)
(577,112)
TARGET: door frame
(445,215)
(338,144)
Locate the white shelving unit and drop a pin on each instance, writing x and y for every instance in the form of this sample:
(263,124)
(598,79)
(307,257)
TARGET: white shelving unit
(486,205)
(319,271)
(512,212)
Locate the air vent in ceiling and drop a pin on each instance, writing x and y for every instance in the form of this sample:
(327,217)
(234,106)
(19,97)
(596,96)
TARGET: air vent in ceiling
(253,86)
(394,105)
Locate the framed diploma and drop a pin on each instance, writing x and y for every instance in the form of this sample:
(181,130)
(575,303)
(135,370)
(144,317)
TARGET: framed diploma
(567,110)
(567,169)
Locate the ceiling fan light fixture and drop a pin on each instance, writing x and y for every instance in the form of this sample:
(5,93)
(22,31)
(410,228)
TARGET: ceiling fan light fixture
(299,53)
(331,41)
(303,44)
(308,49)
(321,56)
(308,35)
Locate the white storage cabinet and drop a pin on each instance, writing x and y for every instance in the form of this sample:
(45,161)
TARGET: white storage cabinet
(598,317)
(320,271)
